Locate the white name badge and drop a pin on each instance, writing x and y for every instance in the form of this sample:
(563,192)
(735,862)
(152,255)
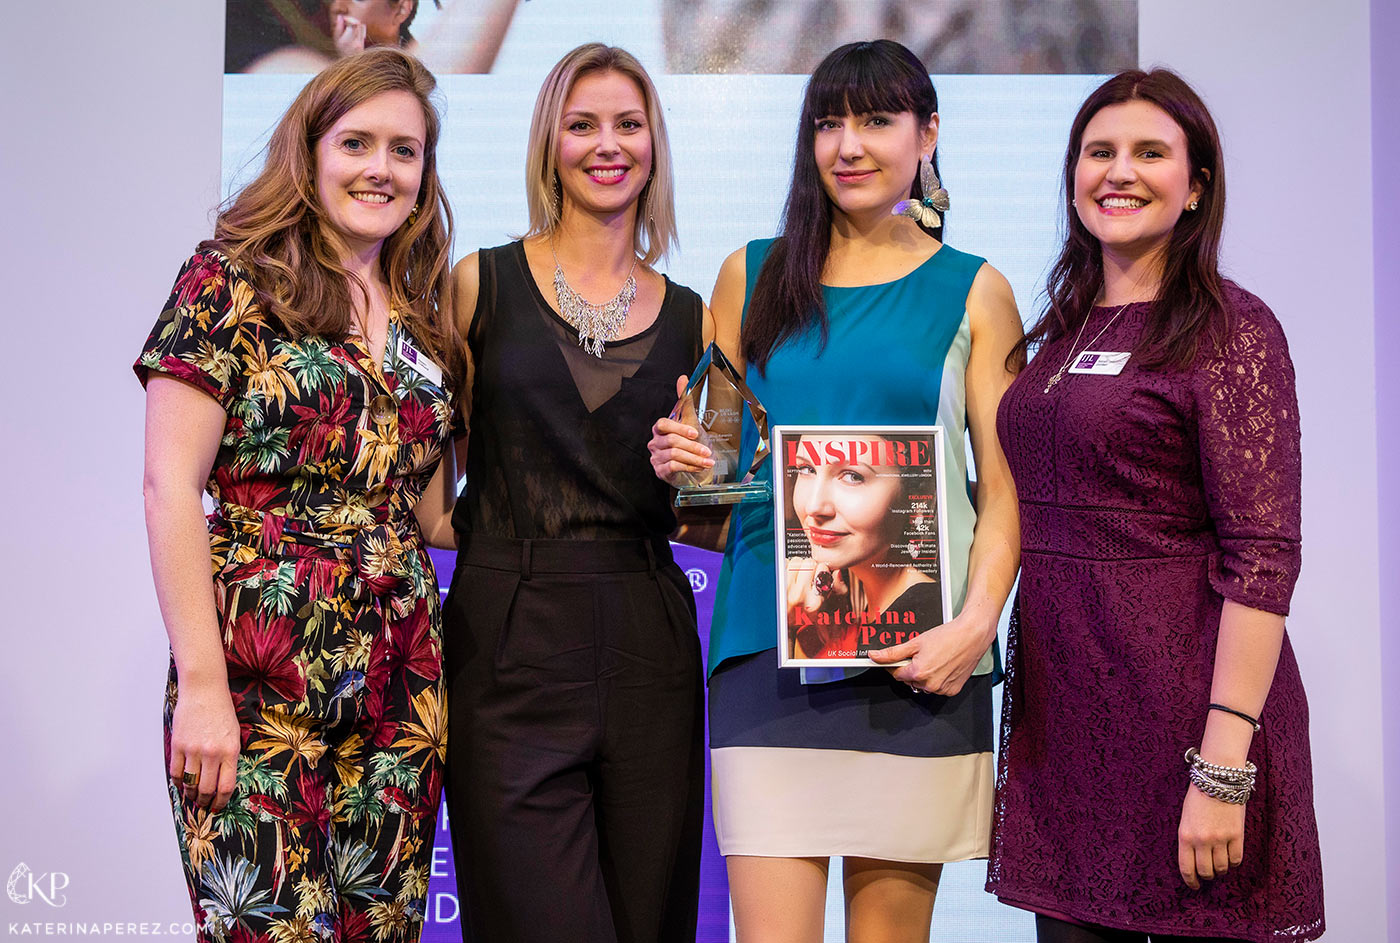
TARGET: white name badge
(419,361)
(1106,363)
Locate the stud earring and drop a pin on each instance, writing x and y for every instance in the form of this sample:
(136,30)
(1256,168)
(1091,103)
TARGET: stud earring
(1193,205)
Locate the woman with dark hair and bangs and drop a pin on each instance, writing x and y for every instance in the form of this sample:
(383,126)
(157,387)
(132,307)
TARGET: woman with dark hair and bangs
(890,769)
(1155,780)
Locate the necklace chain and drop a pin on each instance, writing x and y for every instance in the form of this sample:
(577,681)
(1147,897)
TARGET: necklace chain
(1080,333)
(599,323)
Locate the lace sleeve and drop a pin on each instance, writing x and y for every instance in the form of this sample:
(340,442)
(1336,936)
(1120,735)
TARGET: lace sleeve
(1247,413)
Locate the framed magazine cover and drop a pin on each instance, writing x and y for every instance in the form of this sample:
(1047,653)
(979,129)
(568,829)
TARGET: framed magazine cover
(860,525)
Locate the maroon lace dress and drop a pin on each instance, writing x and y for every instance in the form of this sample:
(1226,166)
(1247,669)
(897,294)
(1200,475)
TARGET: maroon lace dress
(1146,500)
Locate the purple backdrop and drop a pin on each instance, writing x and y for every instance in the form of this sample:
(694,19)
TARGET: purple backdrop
(444,912)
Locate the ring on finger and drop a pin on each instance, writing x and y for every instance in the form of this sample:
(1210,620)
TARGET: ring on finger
(190,778)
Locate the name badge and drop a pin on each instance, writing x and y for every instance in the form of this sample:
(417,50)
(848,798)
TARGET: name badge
(419,361)
(1105,363)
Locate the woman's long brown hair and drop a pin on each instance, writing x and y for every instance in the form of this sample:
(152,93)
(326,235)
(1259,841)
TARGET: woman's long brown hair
(274,226)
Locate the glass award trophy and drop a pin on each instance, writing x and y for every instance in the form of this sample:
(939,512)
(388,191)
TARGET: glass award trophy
(733,424)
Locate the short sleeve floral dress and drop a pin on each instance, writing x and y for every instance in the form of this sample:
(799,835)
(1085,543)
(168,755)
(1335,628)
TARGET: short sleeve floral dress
(329,610)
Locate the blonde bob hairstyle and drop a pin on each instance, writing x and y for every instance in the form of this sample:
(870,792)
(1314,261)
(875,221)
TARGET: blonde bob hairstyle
(274,226)
(655,232)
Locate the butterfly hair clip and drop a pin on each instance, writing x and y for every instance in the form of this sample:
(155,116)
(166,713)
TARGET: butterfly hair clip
(926,211)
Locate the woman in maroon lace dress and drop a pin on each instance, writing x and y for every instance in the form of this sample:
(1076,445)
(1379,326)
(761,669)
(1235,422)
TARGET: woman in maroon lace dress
(1154,442)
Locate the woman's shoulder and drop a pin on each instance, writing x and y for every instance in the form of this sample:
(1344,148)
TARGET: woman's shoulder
(922,595)
(1253,340)
(210,262)
(682,295)
(515,245)
(212,280)
(965,264)
(1244,304)
(1250,321)
(959,257)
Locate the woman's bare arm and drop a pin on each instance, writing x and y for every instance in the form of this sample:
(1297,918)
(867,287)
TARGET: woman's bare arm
(434,507)
(183,429)
(943,658)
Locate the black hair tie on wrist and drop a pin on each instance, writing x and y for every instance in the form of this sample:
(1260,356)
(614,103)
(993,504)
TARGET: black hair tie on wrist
(1253,721)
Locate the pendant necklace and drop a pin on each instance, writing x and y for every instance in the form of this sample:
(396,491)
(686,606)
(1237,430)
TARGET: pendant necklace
(1080,333)
(595,323)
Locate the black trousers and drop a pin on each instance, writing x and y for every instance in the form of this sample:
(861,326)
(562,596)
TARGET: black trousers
(575,775)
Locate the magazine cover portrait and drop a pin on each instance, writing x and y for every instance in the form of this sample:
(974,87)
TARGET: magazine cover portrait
(860,552)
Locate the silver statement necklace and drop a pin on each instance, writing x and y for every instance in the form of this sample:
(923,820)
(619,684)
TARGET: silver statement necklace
(1080,333)
(595,324)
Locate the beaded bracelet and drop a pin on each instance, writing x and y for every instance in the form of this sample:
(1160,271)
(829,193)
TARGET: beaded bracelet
(1232,784)
(1235,795)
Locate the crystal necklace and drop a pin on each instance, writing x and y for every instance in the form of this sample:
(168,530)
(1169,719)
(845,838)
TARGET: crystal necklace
(595,323)
(1080,333)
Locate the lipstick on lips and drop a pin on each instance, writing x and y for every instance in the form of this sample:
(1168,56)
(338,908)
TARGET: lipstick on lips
(1120,204)
(824,538)
(608,175)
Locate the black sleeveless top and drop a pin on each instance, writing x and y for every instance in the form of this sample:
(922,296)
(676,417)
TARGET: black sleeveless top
(558,436)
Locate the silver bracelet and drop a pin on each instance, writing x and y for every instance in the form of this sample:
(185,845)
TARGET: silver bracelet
(1235,795)
(1232,784)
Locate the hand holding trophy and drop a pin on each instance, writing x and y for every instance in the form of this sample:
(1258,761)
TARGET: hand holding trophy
(733,425)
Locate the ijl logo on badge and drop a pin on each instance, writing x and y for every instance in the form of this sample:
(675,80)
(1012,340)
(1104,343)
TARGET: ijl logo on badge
(25,886)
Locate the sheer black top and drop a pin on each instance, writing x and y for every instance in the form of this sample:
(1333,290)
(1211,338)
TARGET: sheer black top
(558,436)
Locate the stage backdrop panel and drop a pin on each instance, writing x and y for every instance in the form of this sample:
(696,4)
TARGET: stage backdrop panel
(731,102)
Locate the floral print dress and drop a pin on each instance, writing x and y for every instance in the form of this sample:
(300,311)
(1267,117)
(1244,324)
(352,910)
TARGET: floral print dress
(328,605)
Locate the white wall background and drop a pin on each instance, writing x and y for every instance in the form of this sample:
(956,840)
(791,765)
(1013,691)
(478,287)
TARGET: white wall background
(110,153)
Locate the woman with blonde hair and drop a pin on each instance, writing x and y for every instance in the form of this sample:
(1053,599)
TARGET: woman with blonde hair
(303,374)
(574,665)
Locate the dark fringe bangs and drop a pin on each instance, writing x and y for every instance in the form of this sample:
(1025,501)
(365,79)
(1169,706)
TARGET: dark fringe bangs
(856,85)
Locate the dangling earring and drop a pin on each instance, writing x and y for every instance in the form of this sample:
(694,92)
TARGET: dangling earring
(1193,205)
(554,193)
(646,195)
(925,211)
(413,215)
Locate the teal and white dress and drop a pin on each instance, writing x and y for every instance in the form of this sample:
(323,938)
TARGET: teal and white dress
(799,767)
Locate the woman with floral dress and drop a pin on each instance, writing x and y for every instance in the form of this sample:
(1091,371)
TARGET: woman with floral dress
(301,373)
